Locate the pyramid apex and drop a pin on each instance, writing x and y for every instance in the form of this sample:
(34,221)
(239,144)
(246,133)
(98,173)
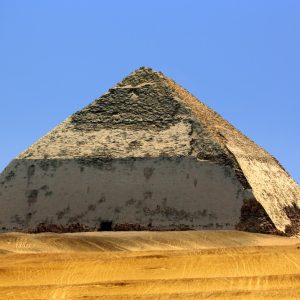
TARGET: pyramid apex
(145,68)
(140,76)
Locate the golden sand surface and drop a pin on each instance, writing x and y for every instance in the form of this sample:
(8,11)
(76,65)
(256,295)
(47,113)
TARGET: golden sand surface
(149,265)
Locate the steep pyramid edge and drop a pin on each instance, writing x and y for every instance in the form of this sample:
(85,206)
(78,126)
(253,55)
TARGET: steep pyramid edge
(279,195)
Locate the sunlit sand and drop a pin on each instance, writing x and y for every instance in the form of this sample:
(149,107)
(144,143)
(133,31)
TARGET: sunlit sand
(149,265)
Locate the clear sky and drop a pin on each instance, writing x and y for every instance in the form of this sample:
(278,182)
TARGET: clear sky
(242,58)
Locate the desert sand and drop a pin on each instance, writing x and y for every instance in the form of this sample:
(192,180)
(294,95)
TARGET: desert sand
(149,265)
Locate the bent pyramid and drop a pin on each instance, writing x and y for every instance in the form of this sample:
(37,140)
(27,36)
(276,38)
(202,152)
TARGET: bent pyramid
(148,155)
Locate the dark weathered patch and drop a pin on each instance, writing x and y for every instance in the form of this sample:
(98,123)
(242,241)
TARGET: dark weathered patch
(149,227)
(30,171)
(60,228)
(102,199)
(29,216)
(92,207)
(117,210)
(32,196)
(44,187)
(10,176)
(134,145)
(177,215)
(255,219)
(60,214)
(18,220)
(44,165)
(148,172)
(131,201)
(76,218)
(151,105)
(147,195)
(293,213)
(104,162)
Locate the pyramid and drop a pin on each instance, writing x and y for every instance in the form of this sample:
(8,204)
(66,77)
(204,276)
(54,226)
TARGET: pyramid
(147,155)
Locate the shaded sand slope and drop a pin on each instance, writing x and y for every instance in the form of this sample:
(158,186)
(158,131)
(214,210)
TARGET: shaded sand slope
(149,265)
(136,241)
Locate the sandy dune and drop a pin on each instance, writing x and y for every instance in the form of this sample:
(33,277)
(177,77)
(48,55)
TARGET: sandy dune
(149,265)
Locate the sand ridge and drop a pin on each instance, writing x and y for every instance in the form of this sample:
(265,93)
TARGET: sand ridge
(136,241)
(149,265)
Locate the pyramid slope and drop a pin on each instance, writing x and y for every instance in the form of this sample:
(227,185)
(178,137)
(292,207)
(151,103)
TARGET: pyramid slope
(131,120)
(147,115)
(272,186)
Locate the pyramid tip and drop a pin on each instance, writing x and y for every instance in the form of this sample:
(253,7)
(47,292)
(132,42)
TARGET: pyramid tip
(145,68)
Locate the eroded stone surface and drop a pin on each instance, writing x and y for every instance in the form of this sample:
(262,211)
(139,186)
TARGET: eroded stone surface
(145,119)
(164,192)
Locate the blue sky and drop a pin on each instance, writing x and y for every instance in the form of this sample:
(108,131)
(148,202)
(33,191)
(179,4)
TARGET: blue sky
(239,57)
